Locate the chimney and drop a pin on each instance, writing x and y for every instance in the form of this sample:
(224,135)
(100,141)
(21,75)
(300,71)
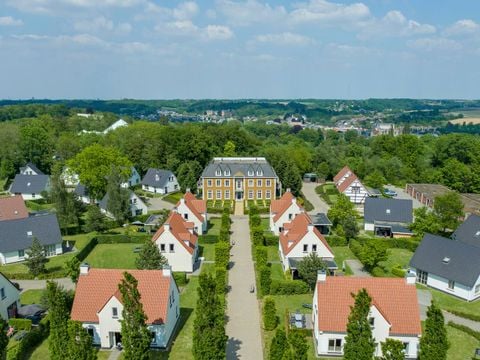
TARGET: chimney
(188,190)
(321,276)
(166,227)
(287,190)
(310,227)
(294,201)
(410,278)
(167,271)
(182,201)
(84,268)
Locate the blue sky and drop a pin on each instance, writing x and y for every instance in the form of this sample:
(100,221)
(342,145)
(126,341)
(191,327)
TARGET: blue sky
(151,49)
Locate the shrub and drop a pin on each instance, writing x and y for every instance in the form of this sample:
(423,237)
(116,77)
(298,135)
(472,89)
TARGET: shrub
(225,222)
(271,240)
(224,235)
(269,314)
(30,341)
(222,254)
(397,271)
(21,324)
(335,240)
(473,317)
(221,280)
(226,210)
(121,239)
(252,210)
(180,278)
(465,329)
(255,220)
(288,287)
(265,280)
(377,271)
(261,255)
(257,236)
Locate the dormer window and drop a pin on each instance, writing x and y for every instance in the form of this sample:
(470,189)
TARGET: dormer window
(250,172)
(388,211)
(227,172)
(218,172)
(259,172)
(446,260)
(29,233)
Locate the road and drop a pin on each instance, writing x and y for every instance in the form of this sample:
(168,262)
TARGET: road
(158,204)
(243,314)
(401,194)
(320,206)
(25,285)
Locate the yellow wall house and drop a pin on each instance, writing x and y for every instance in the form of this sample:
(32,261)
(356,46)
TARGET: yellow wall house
(239,178)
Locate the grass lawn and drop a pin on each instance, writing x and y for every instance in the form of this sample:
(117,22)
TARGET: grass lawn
(272,253)
(462,345)
(207,251)
(113,256)
(265,224)
(333,198)
(208,268)
(55,263)
(277,272)
(214,225)
(31,297)
(41,351)
(103,354)
(399,257)
(292,303)
(449,302)
(343,253)
(79,241)
(173,198)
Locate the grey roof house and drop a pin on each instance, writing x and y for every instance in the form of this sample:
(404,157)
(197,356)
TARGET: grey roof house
(448,265)
(388,217)
(17,235)
(469,231)
(82,193)
(137,206)
(30,186)
(249,167)
(159,181)
(30,169)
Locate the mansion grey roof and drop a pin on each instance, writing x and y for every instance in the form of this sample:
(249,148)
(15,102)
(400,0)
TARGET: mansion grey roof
(388,210)
(452,260)
(29,184)
(469,231)
(18,234)
(243,167)
(33,167)
(320,219)
(156,177)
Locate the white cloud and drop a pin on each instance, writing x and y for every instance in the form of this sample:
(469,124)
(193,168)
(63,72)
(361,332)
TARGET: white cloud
(186,10)
(10,21)
(462,27)
(101,24)
(285,38)
(434,44)
(47,6)
(248,12)
(187,28)
(394,24)
(217,32)
(325,12)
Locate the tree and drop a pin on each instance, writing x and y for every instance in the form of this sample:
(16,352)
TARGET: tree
(37,143)
(64,201)
(73,268)
(425,222)
(341,210)
(136,337)
(392,350)
(278,345)
(187,175)
(269,314)
(299,344)
(3,338)
(349,225)
(80,342)
(372,253)
(375,180)
(448,208)
(434,343)
(95,163)
(118,198)
(290,178)
(308,269)
(94,219)
(209,339)
(229,149)
(36,259)
(59,314)
(359,343)
(150,257)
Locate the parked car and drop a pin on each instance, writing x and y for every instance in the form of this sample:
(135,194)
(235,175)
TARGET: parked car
(389,192)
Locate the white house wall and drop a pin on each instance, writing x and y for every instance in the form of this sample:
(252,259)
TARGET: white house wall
(200,227)
(180,259)
(289,214)
(12,257)
(171,186)
(12,295)
(369,227)
(356,197)
(107,322)
(31,197)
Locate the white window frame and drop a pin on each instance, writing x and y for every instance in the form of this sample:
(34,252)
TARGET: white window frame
(305,248)
(250,182)
(2,293)
(250,194)
(218,195)
(335,348)
(314,247)
(209,182)
(477,289)
(114,312)
(226,182)
(250,173)
(227,172)
(209,194)
(218,183)
(268,182)
(268,194)
(171,248)
(218,172)
(259,194)
(259,173)
(451,285)
(259,182)
(162,247)
(227,194)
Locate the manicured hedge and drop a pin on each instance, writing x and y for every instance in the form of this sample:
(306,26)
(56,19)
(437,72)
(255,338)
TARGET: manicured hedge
(222,254)
(261,255)
(208,239)
(21,324)
(270,319)
(221,280)
(465,329)
(255,221)
(180,278)
(397,271)
(34,337)
(473,317)
(265,280)
(270,240)
(82,254)
(335,240)
(121,239)
(288,287)
(257,236)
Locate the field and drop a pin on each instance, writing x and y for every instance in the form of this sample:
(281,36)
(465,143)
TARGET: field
(467,120)
(396,257)
(113,256)
(31,297)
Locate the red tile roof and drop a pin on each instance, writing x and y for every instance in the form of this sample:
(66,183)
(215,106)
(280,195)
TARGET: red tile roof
(346,183)
(278,207)
(297,229)
(395,300)
(198,207)
(12,208)
(180,230)
(341,174)
(97,287)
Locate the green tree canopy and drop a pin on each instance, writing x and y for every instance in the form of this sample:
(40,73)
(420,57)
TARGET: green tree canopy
(392,350)
(309,267)
(448,208)
(94,219)
(59,314)
(80,342)
(118,201)
(434,343)
(150,257)
(341,210)
(425,222)
(36,259)
(3,338)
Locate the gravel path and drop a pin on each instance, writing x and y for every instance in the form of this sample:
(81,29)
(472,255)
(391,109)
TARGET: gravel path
(320,206)
(357,268)
(243,324)
(42,284)
(159,204)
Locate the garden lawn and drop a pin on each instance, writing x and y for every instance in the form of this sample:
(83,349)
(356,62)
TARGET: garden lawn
(55,263)
(449,302)
(31,296)
(173,198)
(399,257)
(79,241)
(277,272)
(265,224)
(462,345)
(272,253)
(343,253)
(113,256)
(207,251)
(214,225)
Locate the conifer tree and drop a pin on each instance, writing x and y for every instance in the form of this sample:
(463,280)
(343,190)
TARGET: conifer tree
(278,346)
(36,259)
(65,203)
(434,343)
(359,344)
(118,202)
(80,343)
(59,314)
(3,338)
(150,257)
(299,345)
(136,337)
(94,219)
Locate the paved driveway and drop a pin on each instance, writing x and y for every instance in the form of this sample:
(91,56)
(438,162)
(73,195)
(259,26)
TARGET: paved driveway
(243,314)
(424,301)
(320,206)
(158,204)
(42,284)
(357,268)
(401,194)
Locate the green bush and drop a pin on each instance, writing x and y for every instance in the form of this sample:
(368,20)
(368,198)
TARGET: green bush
(208,239)
(270,319)
(465,329)
(221,280)
(255,220)
(222,254)
(252,210)
(335,240)
(397,271)
(288,287)
(473,317)
(224,235)
(257,236)
(21,324)
(377,271)
(270,240)
(265,280)
(180,278)
(34,337)
(261,256)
